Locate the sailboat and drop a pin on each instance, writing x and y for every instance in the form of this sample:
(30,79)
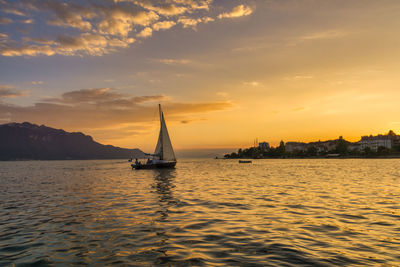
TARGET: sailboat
(164,156)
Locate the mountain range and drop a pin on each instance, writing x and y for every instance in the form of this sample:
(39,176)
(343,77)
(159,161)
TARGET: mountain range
(27,141)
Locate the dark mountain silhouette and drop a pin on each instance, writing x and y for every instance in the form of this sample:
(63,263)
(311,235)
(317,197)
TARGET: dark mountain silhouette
(23,141)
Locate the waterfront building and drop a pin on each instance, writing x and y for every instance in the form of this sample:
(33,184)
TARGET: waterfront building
(356,146)
(324,146)
(263,145)
(374,142)
(295,146)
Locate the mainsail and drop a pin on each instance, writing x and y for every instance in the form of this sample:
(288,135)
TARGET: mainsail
(164,147)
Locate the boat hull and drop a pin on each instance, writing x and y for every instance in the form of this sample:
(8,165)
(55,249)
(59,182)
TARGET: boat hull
(161,165)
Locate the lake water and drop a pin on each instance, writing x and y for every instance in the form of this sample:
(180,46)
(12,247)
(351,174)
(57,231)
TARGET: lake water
(205,212)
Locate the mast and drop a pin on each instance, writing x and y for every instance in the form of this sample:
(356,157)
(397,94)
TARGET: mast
(161,131)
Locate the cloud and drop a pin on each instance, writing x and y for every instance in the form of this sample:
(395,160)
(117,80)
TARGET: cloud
(102,97)
(146,32)
(192,108)
(119,21)
(42,41)
(27,21)
(252,83)
(163,25)
(7,91)
(37,82)
(332,34)
(202,4)
(170,61)
(67,15)
(87,96)
(145,18)
(238,11)
(4,20)
(144,99)
(299,77)
(100,107)
(31,50)
(250,48)
(174,7)
(96,27)
(170,10)
(164,9)
(192,22)
(13,11)
(299,109)
(86,43)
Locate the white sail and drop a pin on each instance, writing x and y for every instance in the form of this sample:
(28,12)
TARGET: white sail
(164,147)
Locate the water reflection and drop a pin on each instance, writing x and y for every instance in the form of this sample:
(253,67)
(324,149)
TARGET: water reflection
(164,183)
(163,186)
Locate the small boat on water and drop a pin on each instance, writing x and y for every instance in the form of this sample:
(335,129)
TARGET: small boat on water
(244,161)
(164,156)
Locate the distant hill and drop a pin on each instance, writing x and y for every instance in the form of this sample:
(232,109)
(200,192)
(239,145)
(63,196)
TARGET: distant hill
(24,141)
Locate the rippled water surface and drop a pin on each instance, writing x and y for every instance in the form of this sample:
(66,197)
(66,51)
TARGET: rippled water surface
(205,212)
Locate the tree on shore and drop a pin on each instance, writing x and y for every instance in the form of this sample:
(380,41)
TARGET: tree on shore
(342,146)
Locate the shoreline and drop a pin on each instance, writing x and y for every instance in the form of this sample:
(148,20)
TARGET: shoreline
(347,157)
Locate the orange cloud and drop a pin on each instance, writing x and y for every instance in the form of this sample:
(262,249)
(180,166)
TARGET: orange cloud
(100,28)
(164,9)
(7,91)
(86,43)
(146,32)
(13,11)
(67,15)
(192,22)
(4,20)
(100,107)
(238,11)
(163,25)
(37,82)
(170,61)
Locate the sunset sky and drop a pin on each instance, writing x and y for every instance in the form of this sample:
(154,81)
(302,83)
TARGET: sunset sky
(226,72)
